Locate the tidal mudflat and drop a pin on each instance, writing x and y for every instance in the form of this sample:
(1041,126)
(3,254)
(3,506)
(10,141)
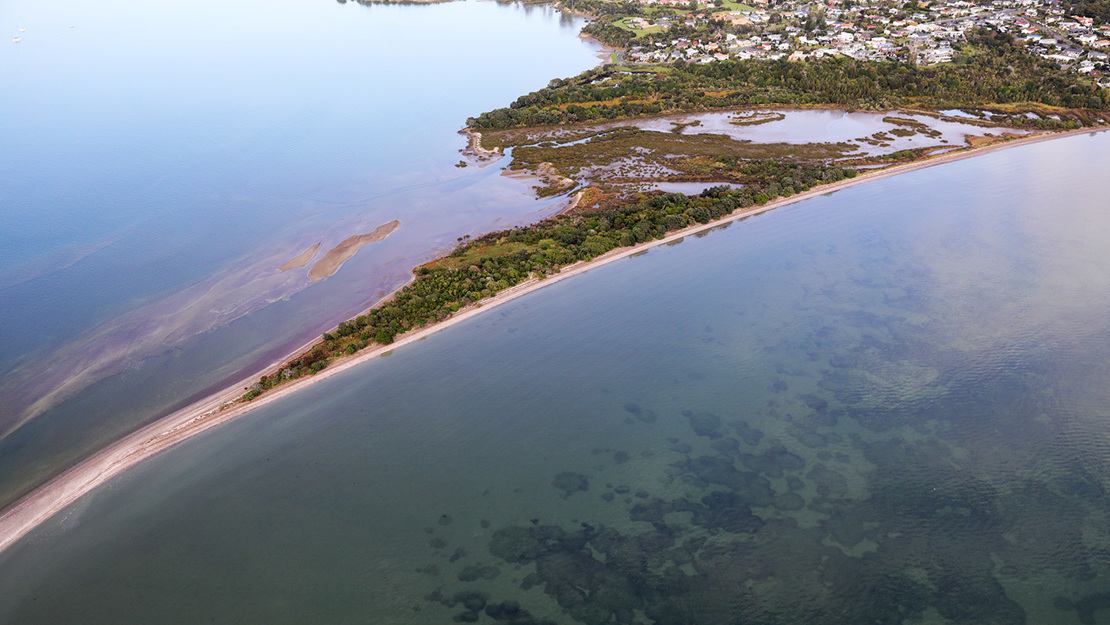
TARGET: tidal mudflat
(637,155)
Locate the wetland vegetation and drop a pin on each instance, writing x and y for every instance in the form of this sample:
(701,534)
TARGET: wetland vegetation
(548,134)
(479,268)
(992,72)
(867,482)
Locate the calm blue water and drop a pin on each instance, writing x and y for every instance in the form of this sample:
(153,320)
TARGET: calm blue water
(884,405)
(162,159)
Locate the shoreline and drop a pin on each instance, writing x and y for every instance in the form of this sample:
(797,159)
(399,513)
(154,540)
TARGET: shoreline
(63,490)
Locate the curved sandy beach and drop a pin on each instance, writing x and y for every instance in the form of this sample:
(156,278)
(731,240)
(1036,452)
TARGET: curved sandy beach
(54,496)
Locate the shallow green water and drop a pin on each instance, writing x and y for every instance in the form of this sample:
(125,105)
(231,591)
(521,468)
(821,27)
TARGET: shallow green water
(885,405)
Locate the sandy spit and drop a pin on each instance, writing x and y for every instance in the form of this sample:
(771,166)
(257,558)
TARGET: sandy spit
(62,491)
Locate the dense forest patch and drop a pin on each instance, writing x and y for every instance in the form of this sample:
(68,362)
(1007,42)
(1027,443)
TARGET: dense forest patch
(991,69)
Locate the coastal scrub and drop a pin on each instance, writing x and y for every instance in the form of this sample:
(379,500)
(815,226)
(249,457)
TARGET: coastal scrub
(483,267)
(991,70)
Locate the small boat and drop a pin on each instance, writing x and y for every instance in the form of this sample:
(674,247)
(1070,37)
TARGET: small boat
(16,39)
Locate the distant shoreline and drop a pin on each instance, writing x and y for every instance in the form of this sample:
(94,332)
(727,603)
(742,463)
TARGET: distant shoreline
(66,488)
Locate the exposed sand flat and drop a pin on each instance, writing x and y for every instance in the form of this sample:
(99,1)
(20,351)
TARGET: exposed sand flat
(65,489)
(300,260)
(336,256)
(474,145)
(545,173)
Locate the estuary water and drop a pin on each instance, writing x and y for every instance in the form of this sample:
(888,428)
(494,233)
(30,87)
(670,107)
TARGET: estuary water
(864,133)
(884,405)
(162,159)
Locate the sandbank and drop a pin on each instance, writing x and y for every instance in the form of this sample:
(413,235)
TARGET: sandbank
(336,256)
(65,489)
(300,260)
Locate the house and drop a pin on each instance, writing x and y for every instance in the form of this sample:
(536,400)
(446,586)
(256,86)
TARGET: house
(933,56)
(734,18)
